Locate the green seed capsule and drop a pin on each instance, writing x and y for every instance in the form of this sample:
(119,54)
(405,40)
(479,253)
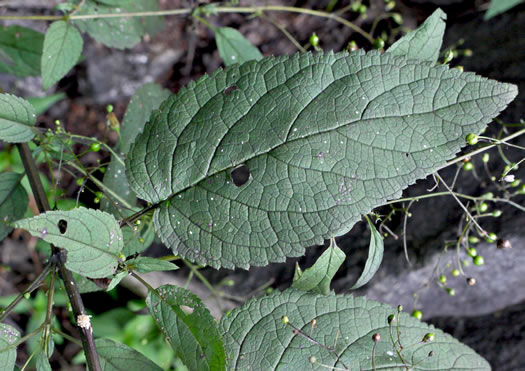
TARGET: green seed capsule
(492,237)
(285,319)
(451,291)
(472,252)
(379,43)
(80,181)
(314,40)
(391,319)
(515,183)
(485,158)
(362,9)
(417,314)
(473,239)
(429,337)
(27,295)
(496,213)
(455,272)
(442,278)
(472,139)
(109,108)
(478,260)
(521,191)
(483,207)
(95,147)
(398,18)
(468,166)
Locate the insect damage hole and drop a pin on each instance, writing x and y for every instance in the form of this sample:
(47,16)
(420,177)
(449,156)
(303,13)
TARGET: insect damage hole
(240,175)
(230,89)
(62,226)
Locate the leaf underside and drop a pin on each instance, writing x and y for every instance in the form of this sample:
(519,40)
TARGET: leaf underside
(119,32)
(17,118)
(120,357)
(375,257)
(256,337)
(500,6)
(234,47)
(424,43)
(8,336)
(326,138)
(189,327)
(92,238)
(62,49)
(318,277)
(23,51)
(13,201)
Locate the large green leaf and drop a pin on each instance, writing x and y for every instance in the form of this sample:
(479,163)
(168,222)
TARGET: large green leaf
(425,42)
(8,336)
(22,50)
(119,32)
(17,119)
(146,99)
(500,6)
(375,257)
(13,201)
(326,138)
(318,277)
(257,335)
(92,238)
(119,357)
(62,49)
(189,327)
(234,47)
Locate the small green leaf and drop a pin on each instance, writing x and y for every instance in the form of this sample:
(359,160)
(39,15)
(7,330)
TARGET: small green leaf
(62,49)
(256,335)
(144,264)
(318,277)
(115,356)
(119,32)
(21,51)
(17,118)
(42,104)
(189,327)
(13,201)
(424,43)
(116,280)
(234,47)
(375,257)
(8,336)
(92,238)
(500,6)
(146,99)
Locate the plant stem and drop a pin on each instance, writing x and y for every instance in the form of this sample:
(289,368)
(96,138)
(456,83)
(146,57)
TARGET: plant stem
(86,334)
(219,9)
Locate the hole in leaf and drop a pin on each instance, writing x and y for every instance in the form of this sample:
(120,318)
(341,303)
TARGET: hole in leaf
(240,175)
(406,154)
(62,226)
(229,89)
